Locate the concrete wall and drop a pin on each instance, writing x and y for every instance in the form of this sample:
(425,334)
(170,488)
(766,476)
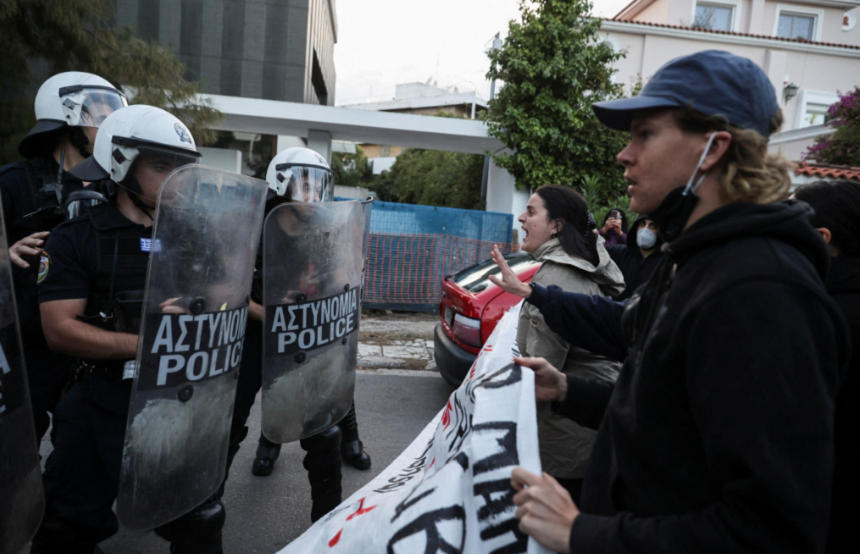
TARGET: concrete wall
(222,158)
(357,193)
(502,194)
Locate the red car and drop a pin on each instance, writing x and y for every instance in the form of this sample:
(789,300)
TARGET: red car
(470,309)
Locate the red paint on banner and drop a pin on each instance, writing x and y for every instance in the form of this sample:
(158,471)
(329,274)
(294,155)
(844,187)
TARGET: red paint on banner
(361,510)
(446,415)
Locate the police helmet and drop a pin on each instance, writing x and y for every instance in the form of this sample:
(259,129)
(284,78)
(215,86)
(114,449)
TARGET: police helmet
(300,175)
(131,132)
(70,99)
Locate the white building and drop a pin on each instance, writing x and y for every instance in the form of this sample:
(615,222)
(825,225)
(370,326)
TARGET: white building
(809,48)
(418,99)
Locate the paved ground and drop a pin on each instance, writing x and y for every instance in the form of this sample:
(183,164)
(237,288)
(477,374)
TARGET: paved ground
(393,405)
(397,341)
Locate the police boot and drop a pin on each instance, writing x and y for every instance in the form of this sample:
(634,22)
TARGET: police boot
(351,448)
(198,531)
(55,535)
(323,464)
(267,453)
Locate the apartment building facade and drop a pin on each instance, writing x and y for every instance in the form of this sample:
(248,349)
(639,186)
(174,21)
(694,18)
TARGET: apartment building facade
(810,49)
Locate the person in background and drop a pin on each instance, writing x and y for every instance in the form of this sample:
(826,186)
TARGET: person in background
(560,234)
(837,218)
(614,230)
(639,257)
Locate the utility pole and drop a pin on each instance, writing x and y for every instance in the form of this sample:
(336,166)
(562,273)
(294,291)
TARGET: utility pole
(497,43)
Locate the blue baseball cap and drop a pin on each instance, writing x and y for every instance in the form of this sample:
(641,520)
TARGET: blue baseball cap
(712,82)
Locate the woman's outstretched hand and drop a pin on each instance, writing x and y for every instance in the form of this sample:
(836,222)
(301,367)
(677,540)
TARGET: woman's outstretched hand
(509,281)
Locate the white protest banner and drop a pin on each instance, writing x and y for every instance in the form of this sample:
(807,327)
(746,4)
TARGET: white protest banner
(450,490)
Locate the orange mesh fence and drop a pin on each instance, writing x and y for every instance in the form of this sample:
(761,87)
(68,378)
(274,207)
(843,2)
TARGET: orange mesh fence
(405,272)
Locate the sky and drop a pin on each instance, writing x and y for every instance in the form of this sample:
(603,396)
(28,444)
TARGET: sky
(382,43)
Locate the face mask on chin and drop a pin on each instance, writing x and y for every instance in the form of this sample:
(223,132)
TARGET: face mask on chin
(673,212)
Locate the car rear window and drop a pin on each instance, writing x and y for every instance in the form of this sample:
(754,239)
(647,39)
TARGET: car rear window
(475,278)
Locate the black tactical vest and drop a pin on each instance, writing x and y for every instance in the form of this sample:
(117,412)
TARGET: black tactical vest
(42,185)
(116,296)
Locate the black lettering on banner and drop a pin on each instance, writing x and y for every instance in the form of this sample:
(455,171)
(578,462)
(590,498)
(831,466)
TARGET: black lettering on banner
(181,348)
(429,525)
(408,502)
(292,328)
(462,426)
(408,473)
(513,375)
(512,525)
(508,442)
(11,374)
(501,504)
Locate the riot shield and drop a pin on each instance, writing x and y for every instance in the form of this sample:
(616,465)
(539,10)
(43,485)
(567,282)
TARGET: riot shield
(311,294)
(202,252)
(22,501)
(367,208)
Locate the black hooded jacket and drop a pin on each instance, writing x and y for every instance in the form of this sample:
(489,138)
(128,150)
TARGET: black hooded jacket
(718,434)
(635,268)
(844,285)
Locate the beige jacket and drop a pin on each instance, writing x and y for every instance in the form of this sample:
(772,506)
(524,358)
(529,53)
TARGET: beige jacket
(564,445)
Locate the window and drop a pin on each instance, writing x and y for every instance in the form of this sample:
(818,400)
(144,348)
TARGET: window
(815,114)
(795,26)
(812,107)
(797,22)
(715,17)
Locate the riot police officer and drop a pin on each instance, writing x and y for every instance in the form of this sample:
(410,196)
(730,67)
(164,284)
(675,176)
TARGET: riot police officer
(90,264)
(37,195)
(297,175)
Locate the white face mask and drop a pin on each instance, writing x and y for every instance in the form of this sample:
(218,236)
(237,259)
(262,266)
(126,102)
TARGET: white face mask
(645,238)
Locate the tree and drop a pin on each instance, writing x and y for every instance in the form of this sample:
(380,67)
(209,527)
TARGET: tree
(352,170)
(44,37)
(554,66)
(433,178)
(843,146)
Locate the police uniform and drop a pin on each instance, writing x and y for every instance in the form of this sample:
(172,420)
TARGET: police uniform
(102,257)
(20,189)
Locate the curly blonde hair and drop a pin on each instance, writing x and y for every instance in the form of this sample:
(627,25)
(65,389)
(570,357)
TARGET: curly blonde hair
(751,173)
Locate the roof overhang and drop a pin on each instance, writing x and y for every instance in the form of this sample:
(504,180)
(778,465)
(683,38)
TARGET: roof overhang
(421,102)
(270,117)
(632,27)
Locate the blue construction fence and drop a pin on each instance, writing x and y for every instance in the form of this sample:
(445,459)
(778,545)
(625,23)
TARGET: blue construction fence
(412,248)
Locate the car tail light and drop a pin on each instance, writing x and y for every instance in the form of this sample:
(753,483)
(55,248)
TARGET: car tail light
(467,330)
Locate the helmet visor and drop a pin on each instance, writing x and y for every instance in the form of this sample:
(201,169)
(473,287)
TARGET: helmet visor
(88,107)
(305,183)
(165,160)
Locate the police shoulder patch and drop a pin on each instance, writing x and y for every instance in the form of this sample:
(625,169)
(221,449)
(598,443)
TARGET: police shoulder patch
(44,266)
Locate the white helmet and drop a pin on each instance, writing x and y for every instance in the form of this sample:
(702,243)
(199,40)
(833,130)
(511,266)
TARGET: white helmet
(300,175)
(73,99)
(135,130)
